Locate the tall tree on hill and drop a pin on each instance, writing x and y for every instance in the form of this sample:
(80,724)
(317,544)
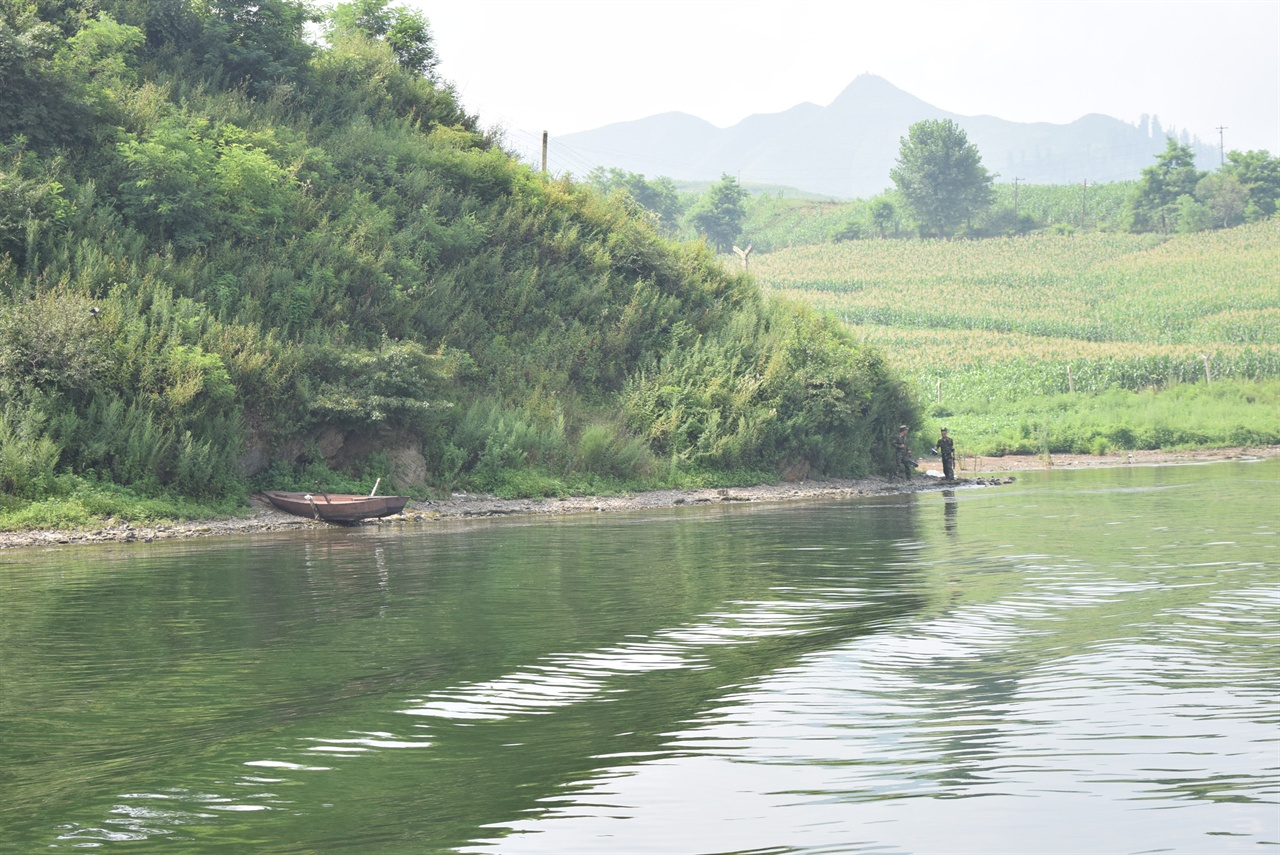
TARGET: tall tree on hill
(941,177)
(659,197)
(257,44)
(406,31)
(36,100)
(718,214)
(1154,205)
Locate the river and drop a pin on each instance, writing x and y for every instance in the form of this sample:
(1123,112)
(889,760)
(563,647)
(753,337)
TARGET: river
(1078,662)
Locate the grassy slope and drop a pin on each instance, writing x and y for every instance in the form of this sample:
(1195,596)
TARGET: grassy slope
(245,254)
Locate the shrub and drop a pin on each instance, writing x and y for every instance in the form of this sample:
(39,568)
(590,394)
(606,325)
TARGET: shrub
(27,464)
(604,450)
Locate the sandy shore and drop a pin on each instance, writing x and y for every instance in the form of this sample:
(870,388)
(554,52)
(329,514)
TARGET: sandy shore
(975,471)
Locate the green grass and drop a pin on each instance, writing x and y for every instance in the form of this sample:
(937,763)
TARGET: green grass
(80,503)
(1223,414)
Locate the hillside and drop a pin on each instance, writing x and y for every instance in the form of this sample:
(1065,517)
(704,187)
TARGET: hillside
(230,257)
(846,149)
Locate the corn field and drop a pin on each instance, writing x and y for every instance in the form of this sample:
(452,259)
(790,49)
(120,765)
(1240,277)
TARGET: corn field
(1047,314)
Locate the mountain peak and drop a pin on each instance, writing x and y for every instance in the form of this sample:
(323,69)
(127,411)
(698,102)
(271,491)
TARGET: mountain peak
(873,91)
(871,82)
(848,148)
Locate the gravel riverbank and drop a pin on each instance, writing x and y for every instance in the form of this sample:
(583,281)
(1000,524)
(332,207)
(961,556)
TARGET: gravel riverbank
(973,471)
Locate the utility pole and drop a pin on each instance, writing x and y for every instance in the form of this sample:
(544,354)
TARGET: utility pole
(1222,156)
(544,152)
(1016,179)
(1084,186)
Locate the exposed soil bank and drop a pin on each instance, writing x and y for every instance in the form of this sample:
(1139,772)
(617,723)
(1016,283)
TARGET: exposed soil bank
(975,471)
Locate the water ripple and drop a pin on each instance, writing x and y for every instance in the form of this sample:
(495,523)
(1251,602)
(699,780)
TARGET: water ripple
(564,679)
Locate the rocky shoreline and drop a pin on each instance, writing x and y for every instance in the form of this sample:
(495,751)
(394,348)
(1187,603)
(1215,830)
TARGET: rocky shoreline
(973,471)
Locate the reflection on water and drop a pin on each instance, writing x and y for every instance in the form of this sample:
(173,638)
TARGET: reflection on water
(1086,664)
(950,510)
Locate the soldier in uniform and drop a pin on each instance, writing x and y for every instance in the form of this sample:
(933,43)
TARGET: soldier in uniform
(903,452)
(947,448)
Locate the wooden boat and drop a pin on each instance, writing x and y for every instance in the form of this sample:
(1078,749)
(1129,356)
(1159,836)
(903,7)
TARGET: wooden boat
(336,507)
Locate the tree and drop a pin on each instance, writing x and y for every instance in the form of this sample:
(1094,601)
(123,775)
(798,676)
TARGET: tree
(1259,174)
(718,214)
(940,176)
(1225,197)
(1193,216)
(406,31)
(35,95)
(1154,204)
(659,196)
(257,43)
(884,216)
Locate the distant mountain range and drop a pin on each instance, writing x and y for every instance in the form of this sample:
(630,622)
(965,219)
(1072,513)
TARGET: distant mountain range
(847,148)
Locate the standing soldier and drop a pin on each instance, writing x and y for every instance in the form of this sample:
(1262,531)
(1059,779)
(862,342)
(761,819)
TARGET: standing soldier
(947,448)
(903,452)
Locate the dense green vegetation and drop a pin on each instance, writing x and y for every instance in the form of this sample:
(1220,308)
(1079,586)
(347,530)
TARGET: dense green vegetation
(1082,343)
(231,258)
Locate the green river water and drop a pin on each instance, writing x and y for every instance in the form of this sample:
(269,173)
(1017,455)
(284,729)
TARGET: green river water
(1080,662)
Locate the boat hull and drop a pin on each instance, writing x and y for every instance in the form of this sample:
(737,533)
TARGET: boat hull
(336,507)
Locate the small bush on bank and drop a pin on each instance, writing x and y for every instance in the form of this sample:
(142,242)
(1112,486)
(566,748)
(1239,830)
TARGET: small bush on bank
(78,502)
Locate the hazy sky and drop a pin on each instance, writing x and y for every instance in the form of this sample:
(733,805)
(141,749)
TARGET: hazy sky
(573,65)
